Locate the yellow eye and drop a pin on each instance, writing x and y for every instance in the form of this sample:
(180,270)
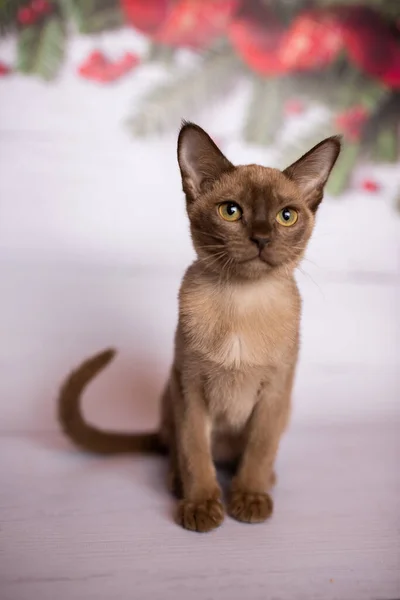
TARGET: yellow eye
(230,211)
(287,217)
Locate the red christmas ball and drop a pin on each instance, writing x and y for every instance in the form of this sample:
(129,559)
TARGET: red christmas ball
(371,44)
(146,16)
(312,41)
(369,185)
(4,69)
(256,35)
(188,23)
(26,16)
(196,24)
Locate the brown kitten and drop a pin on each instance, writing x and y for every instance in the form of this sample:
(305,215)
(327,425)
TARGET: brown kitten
(237,339)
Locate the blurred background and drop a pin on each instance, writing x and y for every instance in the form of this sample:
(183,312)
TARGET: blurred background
(94,241)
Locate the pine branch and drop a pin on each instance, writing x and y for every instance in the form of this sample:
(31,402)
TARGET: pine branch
(50,51)
(93,16)
(264,115)
(27,45)
(380,135)
(160,53)
(164,107)
(386,148)
(340,176)
(72,11)
(104,20)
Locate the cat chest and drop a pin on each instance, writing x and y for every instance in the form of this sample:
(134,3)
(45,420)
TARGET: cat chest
(241,341)
(241,327)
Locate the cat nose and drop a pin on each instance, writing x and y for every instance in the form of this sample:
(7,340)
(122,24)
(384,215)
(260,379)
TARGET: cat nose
(260,241)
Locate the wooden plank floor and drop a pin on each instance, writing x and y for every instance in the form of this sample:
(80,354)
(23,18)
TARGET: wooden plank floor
(77,527)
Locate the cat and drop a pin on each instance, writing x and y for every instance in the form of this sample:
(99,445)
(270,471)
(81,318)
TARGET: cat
(228,395)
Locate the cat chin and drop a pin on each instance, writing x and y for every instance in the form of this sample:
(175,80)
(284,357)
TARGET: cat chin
(253,269)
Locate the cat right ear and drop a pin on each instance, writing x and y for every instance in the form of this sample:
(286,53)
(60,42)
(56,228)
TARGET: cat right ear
(200,160)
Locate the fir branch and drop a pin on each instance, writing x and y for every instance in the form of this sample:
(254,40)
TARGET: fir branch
(264,115)
(72,11)
(104,20)
(50,51)
(160,53)
(340,176)
(164,107)
(380,134)
(93,16)
(27,45)
(385,148)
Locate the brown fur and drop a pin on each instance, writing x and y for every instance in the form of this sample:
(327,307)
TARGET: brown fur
(237,339)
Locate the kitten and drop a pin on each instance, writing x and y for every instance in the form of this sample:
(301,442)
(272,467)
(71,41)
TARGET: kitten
(237,339)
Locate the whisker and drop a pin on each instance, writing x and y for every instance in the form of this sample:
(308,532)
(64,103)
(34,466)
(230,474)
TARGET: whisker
(212,259)
(210,246)
(211,235)
(313,280)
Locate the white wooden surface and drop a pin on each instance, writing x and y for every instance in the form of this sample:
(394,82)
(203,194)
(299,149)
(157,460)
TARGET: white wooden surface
(80,271)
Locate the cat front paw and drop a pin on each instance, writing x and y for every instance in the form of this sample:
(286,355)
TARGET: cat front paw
(250,507)
(200,516)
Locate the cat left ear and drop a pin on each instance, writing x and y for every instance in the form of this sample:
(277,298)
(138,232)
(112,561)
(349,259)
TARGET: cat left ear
(312,170)
(200,160)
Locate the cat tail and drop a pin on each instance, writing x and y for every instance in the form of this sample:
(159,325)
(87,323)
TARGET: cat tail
(88,437)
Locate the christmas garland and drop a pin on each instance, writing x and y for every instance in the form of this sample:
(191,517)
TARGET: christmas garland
(344,54)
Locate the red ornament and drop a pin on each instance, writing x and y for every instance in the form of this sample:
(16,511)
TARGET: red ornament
(147,16)
(369,185)
(371,44)
(256,34)
(312,41)
(294,107)
(26,16)
(196,24)
(352,121)
(189,23)
(4,69)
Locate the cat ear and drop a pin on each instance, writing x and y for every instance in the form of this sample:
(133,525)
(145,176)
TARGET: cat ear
(201,162)
(311,171)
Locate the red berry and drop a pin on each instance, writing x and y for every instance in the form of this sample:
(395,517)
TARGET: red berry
(113,71)
(4,70)
(129,60)
(26,16)
(369,185)
(94,63)
(96,58)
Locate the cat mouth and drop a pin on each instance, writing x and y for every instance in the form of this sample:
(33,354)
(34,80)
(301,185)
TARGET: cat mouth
(257,257)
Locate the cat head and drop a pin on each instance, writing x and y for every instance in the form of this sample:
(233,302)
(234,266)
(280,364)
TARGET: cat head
(249,220)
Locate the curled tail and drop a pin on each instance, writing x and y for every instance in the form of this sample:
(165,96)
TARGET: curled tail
(86,436)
